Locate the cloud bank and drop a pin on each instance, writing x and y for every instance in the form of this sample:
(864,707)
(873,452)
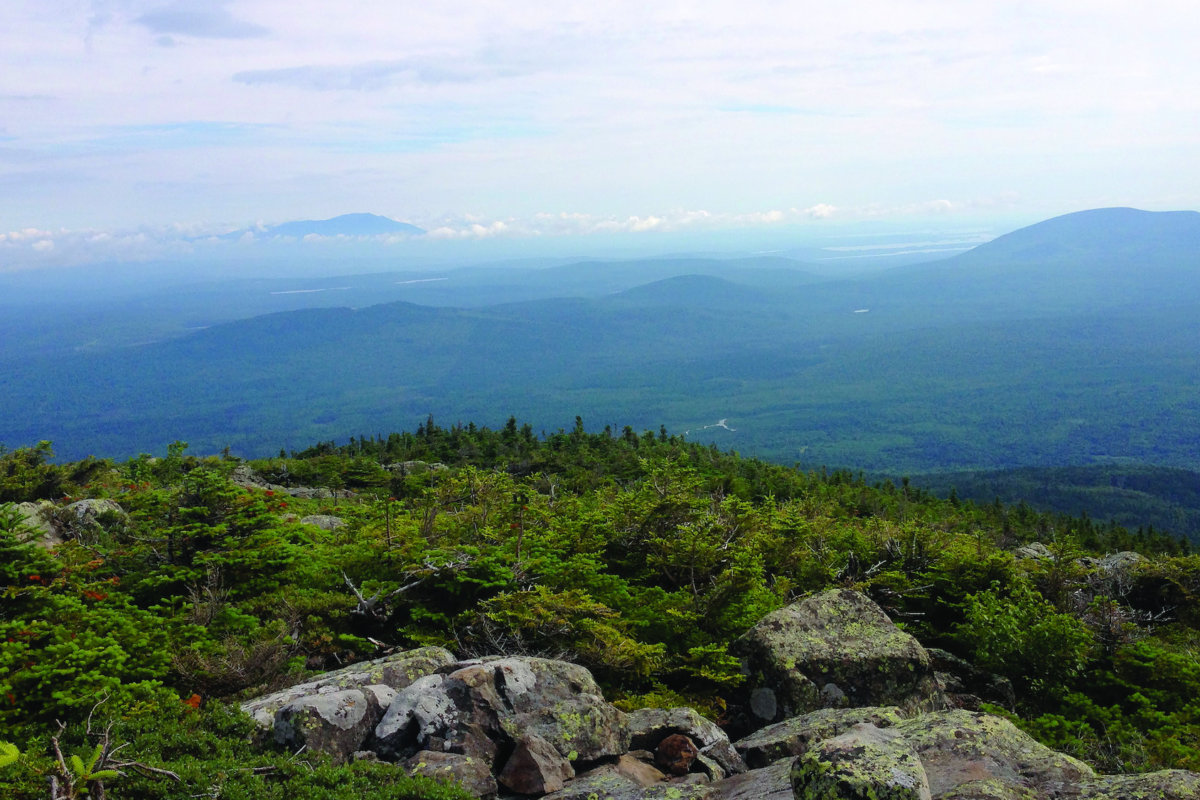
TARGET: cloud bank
(32,247)
(116,115)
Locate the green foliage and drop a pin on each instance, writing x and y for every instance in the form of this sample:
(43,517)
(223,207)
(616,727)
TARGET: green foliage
(640,556)
(211,752)
(9,753)
(1024,638)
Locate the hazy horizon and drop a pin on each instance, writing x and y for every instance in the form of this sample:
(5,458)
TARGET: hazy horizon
(130,129)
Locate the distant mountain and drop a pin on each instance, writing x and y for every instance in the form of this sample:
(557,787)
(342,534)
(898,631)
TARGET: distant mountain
(1012,360)
(345,225)
(1101,234)
(698,291)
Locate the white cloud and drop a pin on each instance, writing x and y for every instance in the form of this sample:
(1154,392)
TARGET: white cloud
(820,211)
(306,109)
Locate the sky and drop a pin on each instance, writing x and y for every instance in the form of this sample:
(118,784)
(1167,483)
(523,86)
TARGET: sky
(133,128)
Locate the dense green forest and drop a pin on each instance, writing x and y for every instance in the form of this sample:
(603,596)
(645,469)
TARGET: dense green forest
(1069,342)
(1135,496)
(637,554)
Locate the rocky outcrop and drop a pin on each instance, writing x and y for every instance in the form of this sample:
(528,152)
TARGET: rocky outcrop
(957,747)
(530,727)
(794,737)
(471,773)
(416,467)
(863,762)
(39,519)
(325,522)
(92,513)
(1035,551)
(1121,562)
(484,708)
(648,727)
(247,478)
(1172,784)
(834,650)
(395,672)
(336,723)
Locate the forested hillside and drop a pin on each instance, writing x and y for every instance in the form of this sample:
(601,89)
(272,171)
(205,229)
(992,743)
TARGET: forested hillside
(1069,342)
(182,583)
(1136,496)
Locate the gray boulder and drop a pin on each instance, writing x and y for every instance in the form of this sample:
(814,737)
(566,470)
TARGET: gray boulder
(484,708)
(988,790)
(769,783)
(648,727)
(416,467)
(1171,784)
(325,522)
(336,723)
(793,737)
(39,519)
(88,513)
(471,773)
(1035,551)
(247,478)
(958,747)
(863,762)
(396,671)
(1120,562)
(836,649)
(629,779)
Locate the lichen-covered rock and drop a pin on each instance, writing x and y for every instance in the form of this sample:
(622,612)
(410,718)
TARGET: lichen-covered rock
(864,762)
(396,671)
(471,773)
(988,790)
(39,519)
(476,709)
(1119,562)
(649,726)
(793,737)
(1173,784)
(957,747)
(325,522)
(89,513)
(836,649)
(1035,551)
(336,723)
(614,782)
(769,783)
(535,767)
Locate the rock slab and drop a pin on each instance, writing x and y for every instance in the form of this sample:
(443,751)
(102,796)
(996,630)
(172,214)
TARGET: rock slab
(836,649)
(864,762)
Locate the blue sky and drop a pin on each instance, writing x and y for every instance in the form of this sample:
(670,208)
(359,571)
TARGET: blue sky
(129,126)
